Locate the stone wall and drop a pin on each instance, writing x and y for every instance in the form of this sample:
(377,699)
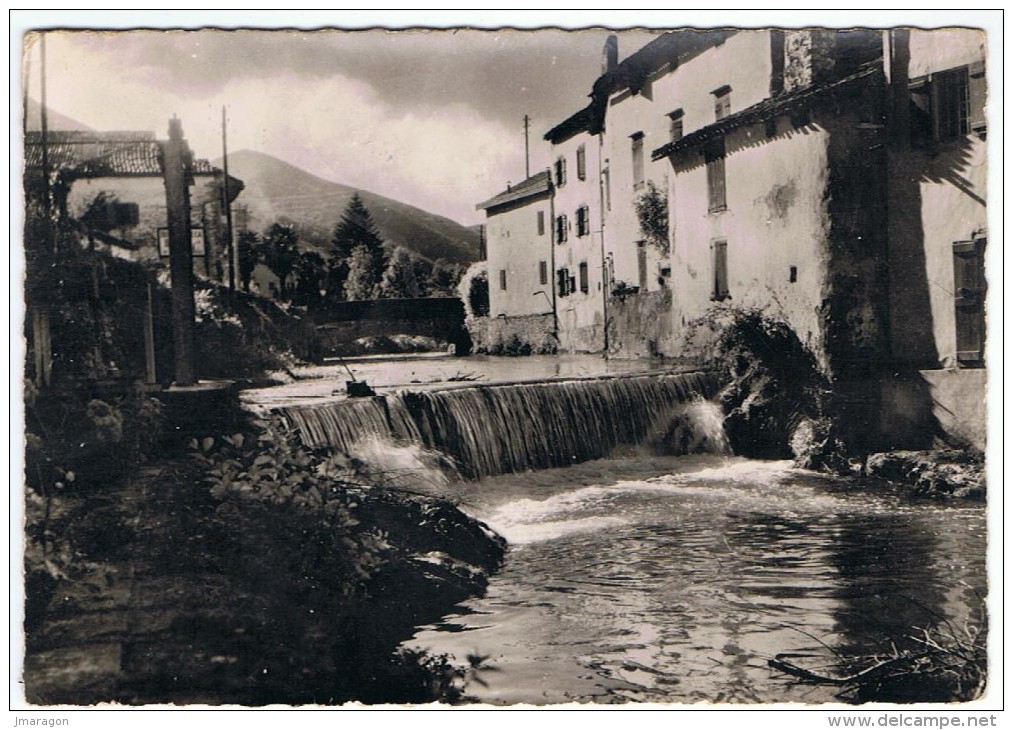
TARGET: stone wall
(930,408)
(528,335)
(640,325)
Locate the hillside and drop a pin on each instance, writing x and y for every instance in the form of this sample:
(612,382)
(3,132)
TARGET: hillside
(55,120)
(276,190)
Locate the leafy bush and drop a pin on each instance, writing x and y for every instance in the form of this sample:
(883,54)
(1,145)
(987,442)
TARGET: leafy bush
(775,389)
(651,207)
(272,470)
(337,591)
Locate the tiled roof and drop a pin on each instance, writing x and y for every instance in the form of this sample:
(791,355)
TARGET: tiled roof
(534,185)
(668,48)
(764,110)
(102,154)
(582,121)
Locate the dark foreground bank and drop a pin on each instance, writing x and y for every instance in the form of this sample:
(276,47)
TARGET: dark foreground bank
(191,585)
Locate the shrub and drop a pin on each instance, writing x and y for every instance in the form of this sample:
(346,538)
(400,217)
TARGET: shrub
(775,388)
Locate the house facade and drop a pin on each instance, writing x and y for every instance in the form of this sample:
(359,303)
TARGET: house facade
(850,202)
(112,184)
(938,234)
(770,204)
(833,179)
(577,234)
(521,262)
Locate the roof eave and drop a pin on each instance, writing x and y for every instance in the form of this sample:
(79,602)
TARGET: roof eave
(760,112)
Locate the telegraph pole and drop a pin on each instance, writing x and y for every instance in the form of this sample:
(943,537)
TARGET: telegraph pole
(228,209)
(527,160)
(177,171)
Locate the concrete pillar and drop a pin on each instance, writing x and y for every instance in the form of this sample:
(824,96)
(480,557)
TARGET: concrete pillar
(176,162)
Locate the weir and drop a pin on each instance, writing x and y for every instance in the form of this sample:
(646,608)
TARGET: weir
(505,428)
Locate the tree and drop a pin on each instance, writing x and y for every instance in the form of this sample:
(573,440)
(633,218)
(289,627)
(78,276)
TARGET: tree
(311,275)
(424,276)
(652,214)
(248,246)
(445,278)
(280,251)
(399,280)
(356,229)
(360,283)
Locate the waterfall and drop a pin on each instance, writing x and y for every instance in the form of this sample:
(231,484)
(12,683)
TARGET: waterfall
(496,429)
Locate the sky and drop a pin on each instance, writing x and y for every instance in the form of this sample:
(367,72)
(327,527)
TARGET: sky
(433,118)
(430,117)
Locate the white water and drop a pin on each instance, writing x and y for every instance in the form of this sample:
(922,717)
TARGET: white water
(675,579)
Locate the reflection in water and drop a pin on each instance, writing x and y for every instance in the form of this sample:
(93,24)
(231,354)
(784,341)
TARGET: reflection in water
(677,584)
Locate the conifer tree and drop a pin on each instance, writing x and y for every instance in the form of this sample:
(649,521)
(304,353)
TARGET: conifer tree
(356,229)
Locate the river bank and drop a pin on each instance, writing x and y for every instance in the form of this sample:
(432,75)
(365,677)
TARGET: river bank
(167,598)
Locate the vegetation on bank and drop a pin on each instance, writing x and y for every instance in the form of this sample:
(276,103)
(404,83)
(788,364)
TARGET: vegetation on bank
(272,576)
(358,264)
(939,663)
(779,403)
(236,557)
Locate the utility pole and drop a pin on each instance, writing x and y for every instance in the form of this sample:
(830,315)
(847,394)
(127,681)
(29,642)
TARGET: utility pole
(46,252)
(228,209)
(527,159)
(177,169)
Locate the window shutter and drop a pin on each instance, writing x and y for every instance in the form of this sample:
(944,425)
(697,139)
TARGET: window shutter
(922,132)
(969,299)
(583,277)
(716,193)
(541,223)
(543,273)
(720,270)
(637,150)
(502,279)
(978,93)
(581,163)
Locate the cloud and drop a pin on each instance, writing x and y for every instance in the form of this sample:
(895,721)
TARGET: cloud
(441,157)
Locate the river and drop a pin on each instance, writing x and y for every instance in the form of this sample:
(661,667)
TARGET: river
(639,577)
(675,579)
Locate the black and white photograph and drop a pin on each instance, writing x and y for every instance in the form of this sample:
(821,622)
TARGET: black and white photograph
(505,365)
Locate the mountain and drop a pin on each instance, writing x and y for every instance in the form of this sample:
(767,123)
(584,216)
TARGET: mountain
(54,120)
(277,191)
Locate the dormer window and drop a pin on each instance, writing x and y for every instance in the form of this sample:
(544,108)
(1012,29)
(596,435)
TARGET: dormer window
(675,125)
(722,102)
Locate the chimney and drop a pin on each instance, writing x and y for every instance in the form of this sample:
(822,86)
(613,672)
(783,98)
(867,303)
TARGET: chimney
(610,54)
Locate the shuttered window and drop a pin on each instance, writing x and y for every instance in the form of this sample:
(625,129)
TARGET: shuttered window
(583,221)
(581,163)
(560,172)
(502,279)
(977,96)
(969,300)
(582,270)
(563,282)
(541,223)
(637,152)
(947,105)
(720,255)
(675,125)
(714,155)
(543,272)
(560,228)
(722,102)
